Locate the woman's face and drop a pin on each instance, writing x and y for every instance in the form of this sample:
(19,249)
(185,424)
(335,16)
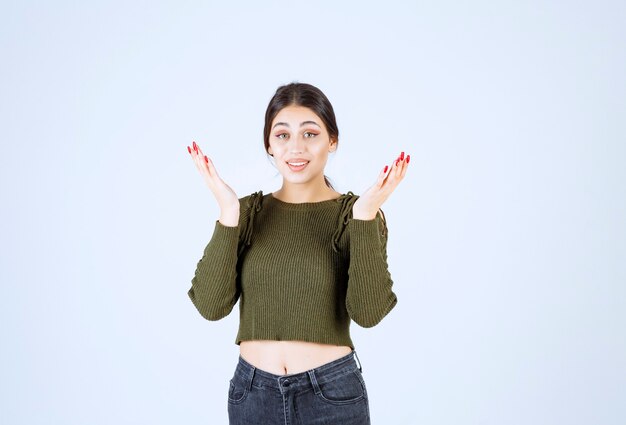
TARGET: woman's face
(300,144)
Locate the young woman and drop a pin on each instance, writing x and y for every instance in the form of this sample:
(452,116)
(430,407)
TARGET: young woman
(303,262)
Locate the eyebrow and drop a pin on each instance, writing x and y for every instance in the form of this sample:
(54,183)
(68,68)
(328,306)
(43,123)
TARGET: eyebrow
(301,124)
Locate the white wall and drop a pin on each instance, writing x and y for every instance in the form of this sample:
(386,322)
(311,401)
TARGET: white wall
(507,237)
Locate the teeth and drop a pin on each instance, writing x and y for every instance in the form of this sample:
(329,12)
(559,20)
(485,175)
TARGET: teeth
(296,164)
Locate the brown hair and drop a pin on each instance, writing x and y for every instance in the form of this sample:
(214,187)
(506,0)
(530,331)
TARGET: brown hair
(301,94)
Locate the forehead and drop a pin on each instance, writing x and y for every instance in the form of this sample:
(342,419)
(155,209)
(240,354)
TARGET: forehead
(294,115)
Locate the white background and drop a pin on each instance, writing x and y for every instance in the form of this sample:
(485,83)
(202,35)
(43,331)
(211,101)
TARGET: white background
(507,237)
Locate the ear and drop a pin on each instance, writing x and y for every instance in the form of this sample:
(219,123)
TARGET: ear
(269,150)
(332,146)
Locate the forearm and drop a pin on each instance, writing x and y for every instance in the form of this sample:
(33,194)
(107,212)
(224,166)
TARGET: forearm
(214,289)
(369,295)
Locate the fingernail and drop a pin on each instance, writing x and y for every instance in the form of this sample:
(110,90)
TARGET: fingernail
(189,149)
(385,170)
(396,162)
(408,158)
(206,159)
(195,147)
(401,156)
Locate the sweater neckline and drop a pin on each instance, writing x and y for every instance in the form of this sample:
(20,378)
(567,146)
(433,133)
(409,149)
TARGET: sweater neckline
(305,205)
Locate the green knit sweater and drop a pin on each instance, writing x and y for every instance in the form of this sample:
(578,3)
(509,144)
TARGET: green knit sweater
(300,271)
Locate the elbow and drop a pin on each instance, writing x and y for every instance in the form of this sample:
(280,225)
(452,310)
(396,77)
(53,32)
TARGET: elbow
(368,317)
(366,321)
(211,311)
(213,316)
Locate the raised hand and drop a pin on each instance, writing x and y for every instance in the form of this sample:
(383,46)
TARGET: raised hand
(226,197)
(368,204)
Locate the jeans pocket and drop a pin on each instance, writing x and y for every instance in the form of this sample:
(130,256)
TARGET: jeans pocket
(238,390)
(344,389)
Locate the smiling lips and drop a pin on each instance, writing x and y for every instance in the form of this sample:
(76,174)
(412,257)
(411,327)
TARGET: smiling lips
(297,164)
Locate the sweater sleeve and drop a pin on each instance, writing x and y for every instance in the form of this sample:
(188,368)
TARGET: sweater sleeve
(369,296)
(214,289)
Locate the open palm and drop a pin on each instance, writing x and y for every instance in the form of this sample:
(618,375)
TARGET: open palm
(224,194)
(368,204)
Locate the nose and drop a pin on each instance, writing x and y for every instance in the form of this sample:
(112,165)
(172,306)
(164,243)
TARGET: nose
(297,145)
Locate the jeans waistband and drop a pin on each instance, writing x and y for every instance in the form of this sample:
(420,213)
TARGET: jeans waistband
(321,374)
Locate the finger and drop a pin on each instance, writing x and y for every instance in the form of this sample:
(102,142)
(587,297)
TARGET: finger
(388,184)
(381,177)
(399,168)
(200,159)
(395,173)
(405,166)
(211,167)
(203,159)
(400,162)
(193,150)
(400,172)
(194,155)
(389,174)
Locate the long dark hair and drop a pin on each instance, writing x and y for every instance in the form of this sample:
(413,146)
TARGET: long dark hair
(301,94)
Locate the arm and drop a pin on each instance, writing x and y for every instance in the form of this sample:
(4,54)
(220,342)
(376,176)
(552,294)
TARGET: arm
(369,297)
(214,290)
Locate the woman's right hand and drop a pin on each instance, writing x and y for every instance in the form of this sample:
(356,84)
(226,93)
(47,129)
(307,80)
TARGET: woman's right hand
(226,197)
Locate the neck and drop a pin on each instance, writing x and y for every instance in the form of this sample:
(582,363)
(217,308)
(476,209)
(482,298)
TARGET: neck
(305,192)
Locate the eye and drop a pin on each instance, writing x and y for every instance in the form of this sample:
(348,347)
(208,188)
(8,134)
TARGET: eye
(312,134)
(278,136)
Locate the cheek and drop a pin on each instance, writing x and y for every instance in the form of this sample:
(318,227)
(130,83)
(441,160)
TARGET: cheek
(322,152)
(275,149)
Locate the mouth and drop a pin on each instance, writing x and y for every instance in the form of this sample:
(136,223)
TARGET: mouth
(297,165)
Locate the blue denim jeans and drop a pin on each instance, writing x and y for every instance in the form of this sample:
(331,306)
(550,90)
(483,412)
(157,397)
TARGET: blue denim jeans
(333,393)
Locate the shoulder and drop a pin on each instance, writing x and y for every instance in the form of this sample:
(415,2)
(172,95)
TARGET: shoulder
(350,198)
(252,200)
(249,206)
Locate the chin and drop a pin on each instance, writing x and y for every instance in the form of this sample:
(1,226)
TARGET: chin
(301,179)
(297,180)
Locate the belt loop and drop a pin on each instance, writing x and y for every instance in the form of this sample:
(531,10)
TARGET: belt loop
(316,386)
(252,370)
(357,357)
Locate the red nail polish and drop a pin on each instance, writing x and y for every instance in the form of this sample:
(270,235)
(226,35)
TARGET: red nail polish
(401,156)
(206,159)
(396,162)
(189,149)
(195,147)
(385,170)
(408,158)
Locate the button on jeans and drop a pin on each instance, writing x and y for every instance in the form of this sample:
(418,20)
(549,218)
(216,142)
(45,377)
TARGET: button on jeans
(333,393)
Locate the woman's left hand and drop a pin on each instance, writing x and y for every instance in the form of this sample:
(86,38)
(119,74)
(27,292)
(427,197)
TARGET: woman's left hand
(368,204)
